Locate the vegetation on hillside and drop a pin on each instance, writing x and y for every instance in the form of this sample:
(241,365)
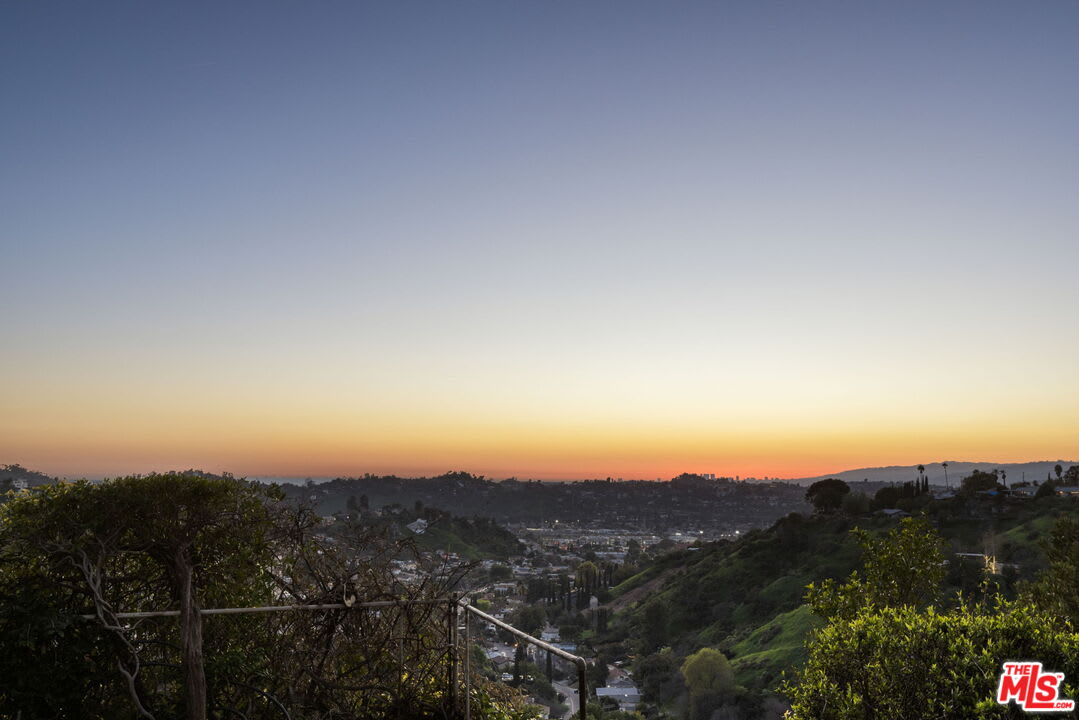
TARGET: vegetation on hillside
(895,648)
(184,542)
(748,598)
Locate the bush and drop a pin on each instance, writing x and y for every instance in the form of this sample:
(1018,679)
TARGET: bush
(899,663)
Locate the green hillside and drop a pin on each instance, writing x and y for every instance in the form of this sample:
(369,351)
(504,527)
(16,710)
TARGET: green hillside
(746,598)
(776,647)
(475,539)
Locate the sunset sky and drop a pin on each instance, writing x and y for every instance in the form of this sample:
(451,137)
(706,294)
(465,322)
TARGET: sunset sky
(540,239)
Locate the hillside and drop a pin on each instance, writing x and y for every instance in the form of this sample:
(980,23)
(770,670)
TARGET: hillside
(475,539)
(746,597)
(11,473)
(687,502)
(899,474)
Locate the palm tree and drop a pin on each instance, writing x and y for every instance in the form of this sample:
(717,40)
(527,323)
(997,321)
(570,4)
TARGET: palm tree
(945,465)
(921,479)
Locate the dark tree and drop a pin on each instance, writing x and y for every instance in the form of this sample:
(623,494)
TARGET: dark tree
(979,480)
(827,495)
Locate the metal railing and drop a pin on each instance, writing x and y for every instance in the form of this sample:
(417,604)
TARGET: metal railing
(455,606)
(579,662)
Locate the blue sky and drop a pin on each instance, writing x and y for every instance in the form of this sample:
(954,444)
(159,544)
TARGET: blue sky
(532,236)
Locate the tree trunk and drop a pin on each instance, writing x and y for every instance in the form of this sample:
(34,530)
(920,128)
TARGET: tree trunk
(191,642)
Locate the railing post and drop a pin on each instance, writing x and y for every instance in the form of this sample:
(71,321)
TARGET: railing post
(400,667)
(468,661)
(582,688)
(451,620)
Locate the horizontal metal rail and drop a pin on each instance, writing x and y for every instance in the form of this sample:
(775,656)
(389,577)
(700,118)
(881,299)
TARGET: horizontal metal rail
(579,662)
(272,608)
(582,666)
(525,636)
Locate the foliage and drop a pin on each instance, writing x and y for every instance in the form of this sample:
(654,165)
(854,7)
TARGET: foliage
(827,495)
(529,618)
(707,670)
(189,540)
(886,497)
(1057,588)
(979,480)
(142,542)
(885,655)
(855,503)
(904,568)
(597,711)
(778,646)
(658,677)
(743,597)
(899,663)
(501,573)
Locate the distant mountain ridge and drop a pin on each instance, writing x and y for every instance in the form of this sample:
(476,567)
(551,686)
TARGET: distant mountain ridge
(957,470)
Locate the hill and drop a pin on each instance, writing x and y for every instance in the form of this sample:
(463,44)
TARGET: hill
(688,502)
(746,597)
(898,474)
(10,474)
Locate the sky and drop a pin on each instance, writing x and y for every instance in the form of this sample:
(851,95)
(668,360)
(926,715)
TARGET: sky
(537,239)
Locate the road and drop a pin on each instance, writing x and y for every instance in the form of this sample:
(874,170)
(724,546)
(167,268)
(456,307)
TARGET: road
(571,697)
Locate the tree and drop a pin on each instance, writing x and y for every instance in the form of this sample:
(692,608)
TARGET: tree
(587,582)
(653,627)
(827,495)
(979,480)
(886,497)
(169,540)
(530,619)
(1046,489)
(186,541)
(886,655)
(855,503)
(945,466)
(500,572)
(707,670)
(904,568)
(657,676)
(905,664)
(1055,588)
(1071,477)
(1058,470)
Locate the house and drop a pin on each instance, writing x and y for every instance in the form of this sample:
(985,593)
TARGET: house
(504,589)
(627,697)
(500,658)
(417,526)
